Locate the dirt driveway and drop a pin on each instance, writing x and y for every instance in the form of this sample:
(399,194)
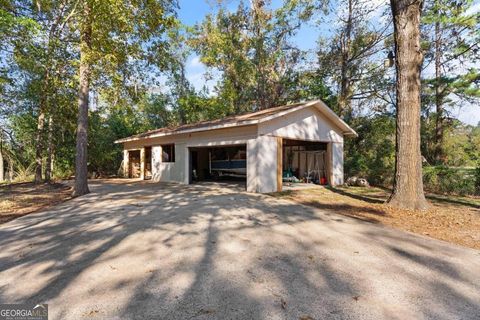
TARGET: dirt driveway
(165,251)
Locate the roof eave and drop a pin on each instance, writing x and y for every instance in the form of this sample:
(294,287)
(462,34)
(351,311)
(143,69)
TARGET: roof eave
(346,129)
(163,134)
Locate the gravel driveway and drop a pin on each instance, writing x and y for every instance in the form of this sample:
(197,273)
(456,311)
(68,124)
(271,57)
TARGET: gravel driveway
(164,251)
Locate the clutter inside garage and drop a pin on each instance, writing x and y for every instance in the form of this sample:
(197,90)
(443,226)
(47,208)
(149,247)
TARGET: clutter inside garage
(305,162)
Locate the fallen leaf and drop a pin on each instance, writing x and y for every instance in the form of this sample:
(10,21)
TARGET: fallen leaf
(91,313)
(206,311)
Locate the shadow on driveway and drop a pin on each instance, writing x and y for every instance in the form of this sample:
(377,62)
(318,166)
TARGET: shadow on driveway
(150,251)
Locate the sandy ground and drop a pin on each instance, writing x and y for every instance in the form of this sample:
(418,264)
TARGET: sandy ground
(165,251)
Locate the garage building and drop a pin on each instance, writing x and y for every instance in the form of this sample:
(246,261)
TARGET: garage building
(297,142)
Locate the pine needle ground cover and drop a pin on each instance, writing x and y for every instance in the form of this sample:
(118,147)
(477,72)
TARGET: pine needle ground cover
(450,218)
(20,199)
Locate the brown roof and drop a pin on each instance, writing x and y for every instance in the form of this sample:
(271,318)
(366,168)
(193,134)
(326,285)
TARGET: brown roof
(238,120)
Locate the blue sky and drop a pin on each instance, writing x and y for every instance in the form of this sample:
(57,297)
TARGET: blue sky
(193,11)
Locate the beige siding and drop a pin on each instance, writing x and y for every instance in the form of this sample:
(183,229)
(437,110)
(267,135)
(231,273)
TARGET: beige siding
(337,163)
(262,148)
(262,164)
(178,171)
(306,124)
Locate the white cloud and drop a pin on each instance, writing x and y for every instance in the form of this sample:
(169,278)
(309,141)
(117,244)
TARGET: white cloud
(475,8)
(195,62)
(467,113)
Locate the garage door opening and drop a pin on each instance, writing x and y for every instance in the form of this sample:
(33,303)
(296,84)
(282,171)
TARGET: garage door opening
(226,164)
(304,162)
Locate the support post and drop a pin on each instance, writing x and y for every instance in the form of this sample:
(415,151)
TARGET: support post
(279,164)
(330,179)
(142,163)
(125,164)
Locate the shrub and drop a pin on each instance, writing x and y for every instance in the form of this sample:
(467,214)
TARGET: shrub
(477,179)
(372,154)
(442,179)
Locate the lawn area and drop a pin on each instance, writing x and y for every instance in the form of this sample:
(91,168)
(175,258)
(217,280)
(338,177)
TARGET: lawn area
(19,199)
(451,218)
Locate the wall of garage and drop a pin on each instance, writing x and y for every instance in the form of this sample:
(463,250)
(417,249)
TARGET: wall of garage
(309,124)
(262,159)
(337,163)
(263,148)
(178,171)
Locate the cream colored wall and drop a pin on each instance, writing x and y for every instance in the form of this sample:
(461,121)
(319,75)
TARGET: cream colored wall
(306,124)
(262,164)
(178,171)
(311,125)
(337,163)
(167,171)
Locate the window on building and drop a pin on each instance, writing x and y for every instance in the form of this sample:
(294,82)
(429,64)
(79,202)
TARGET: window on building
(168,153)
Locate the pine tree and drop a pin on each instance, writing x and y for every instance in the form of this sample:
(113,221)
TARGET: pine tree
(408,184)
(454,52)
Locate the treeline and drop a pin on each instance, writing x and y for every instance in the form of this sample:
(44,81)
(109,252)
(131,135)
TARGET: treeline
(77,75)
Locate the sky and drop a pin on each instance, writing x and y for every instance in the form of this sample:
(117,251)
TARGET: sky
(193,11)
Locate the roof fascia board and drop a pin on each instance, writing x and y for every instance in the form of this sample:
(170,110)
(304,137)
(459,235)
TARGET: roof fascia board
(335,118)
(283,113)
(163,134)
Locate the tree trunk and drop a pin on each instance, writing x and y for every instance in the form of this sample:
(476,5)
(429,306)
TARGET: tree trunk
(1,164)
(39,140)
(260,59)
(439,154)
(10,169)
(48,165)
(182,94)
(408,184)
(344,102)
(81,171)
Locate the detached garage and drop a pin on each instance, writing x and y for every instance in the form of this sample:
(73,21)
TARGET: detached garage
(301,142)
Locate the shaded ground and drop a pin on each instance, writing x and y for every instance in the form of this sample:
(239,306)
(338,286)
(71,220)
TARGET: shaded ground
(19,199)
(451,218)
(166,251)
